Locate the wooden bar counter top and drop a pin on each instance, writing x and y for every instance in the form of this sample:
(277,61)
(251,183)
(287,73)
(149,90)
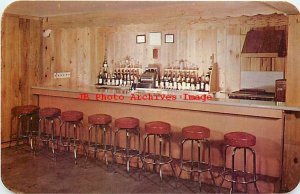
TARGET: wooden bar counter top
(265,120)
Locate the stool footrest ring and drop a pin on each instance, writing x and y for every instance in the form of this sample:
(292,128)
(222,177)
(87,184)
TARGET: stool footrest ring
(239,174)
(164,159)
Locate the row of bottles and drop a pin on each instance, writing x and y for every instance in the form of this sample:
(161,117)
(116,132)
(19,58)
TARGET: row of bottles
(183,81)
(120,77)
(171,79)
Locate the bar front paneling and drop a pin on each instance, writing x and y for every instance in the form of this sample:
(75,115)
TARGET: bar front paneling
(265,123)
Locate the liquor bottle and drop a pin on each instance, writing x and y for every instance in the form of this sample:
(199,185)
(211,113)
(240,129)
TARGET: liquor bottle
(132,75)
(100,80)
(188,82)
(166,81)
(170,79)
(192,84)
(207,79)
(161,82)
(202,84)
(179,83)
(183,82)
(156,82)
(121,77)
(198,84)
(118,78)
(113,78)
(108,80)
(174,82)
(105,65)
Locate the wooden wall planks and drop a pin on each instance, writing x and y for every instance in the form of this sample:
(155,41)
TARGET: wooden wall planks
(291,166)
(76,50)
(195,41)
(21,62)
(293,61)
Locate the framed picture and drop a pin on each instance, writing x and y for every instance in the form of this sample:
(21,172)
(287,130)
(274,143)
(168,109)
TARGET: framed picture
(155,38)
(140,39)
(169,38)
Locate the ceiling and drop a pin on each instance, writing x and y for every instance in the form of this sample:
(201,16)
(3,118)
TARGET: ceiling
(203,9)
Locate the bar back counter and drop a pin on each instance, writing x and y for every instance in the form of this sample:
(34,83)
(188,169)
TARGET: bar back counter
(265,120)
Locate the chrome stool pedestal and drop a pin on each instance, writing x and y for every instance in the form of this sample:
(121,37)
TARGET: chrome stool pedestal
(48,134)
(244,141)
(23,114)
(71,138)
(160,131)
(199,135)
(130,126)
(102,122)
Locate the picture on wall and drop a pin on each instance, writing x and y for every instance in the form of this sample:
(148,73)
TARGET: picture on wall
(141,39)
(155,38)
(169,38)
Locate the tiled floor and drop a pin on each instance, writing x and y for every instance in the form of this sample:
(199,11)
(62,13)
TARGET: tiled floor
(23,172)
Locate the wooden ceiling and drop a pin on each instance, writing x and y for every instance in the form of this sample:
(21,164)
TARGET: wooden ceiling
(203,9)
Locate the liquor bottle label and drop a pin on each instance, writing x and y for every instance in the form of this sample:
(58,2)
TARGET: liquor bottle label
(175,85)
(167,85)
(202,87)
(162,84)
(179,86)
(197,86)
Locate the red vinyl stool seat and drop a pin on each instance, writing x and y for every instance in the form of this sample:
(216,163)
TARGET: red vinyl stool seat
(99,121)
(157,127)
(24,110)
(195,132)
(199,135)
(47,134)
(71,138)
(240,139)
(160,131)
(127,123)
(49,112)
(71,116)
(25,113)
(244,141)
(130,126)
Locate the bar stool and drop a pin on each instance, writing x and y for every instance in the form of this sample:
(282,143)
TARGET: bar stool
(71,138)
(99,121)
(161,130)
(48,135)
(26,114)
(131,127)
(200,135)
(244,141)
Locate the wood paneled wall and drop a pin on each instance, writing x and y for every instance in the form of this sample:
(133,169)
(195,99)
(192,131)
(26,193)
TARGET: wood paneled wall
(20,65)
(80,49)
(76,50)
(293,62)
(291,166)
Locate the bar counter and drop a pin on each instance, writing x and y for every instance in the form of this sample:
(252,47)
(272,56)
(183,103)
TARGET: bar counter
(265,120)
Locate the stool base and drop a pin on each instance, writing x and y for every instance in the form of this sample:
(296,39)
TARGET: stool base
(233,173)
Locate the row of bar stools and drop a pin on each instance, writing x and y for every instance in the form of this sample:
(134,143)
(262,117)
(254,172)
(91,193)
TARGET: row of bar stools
(47,134)
(199,135)
(71,138)
(23,114)
(159,131)
(244,141)
(130,126)
(102,122)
